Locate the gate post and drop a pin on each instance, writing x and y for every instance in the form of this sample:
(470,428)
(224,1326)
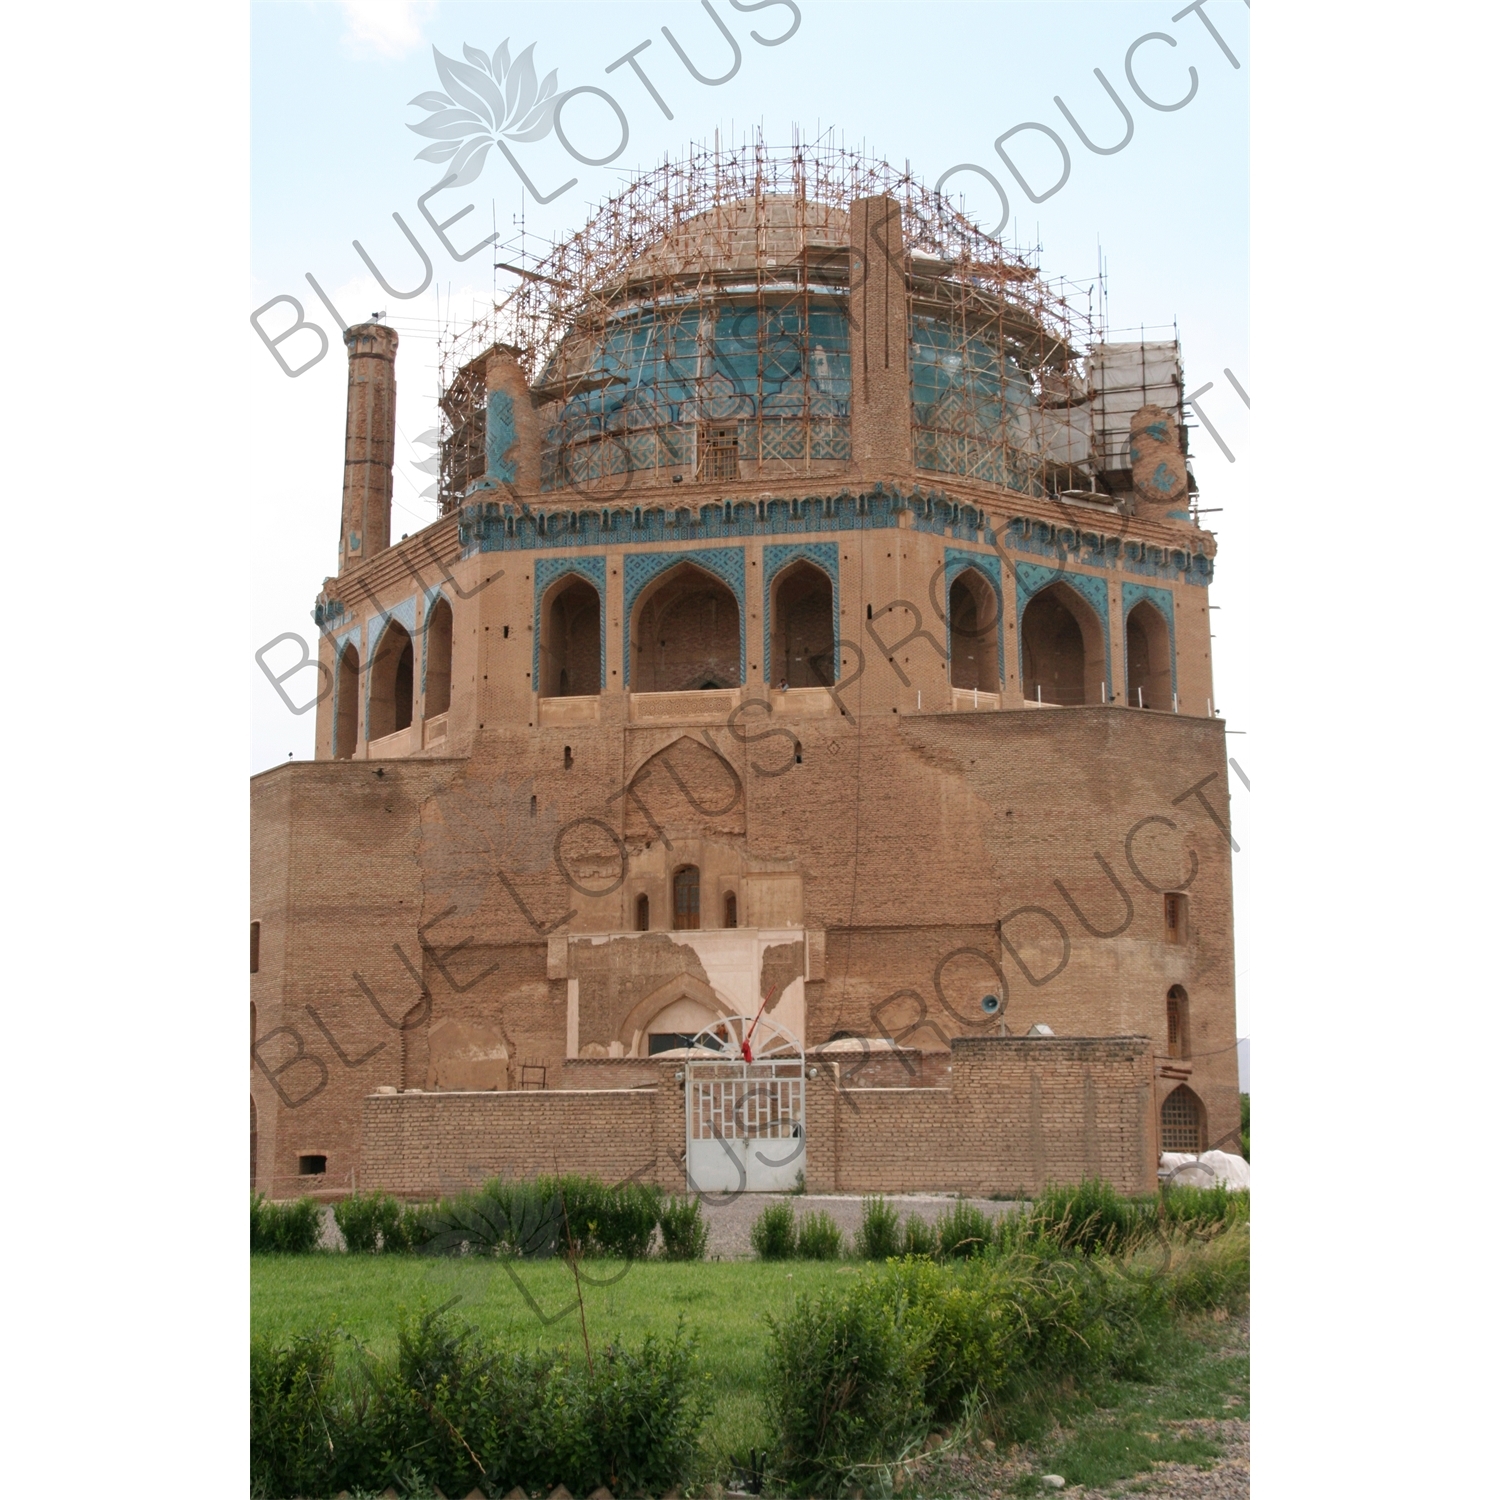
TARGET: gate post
(821,1111)
(669,1122)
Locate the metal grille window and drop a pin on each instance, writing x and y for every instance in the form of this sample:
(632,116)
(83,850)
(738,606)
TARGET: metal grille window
(1176,917)
(685,917)
(1181,1121)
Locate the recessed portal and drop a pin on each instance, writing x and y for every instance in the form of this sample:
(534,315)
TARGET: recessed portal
(686,635)
(973,632)
(802,628)
(391,682)
(570,640)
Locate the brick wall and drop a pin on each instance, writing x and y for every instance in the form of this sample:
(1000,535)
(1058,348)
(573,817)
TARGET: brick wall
(1021,1112)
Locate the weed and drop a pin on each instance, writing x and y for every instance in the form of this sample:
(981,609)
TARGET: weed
(879,1234)
(684,1232)
(773,1236)
(818,1237)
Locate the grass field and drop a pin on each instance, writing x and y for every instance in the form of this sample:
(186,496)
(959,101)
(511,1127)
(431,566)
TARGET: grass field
(533,1302)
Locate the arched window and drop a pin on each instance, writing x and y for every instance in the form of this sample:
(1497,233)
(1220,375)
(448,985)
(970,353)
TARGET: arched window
(391,683)
(569,666)
(1148,658)
(1181,1121)
(801,628)
(643,913)
(1062,648)
(1177,1023)
(685,915)
(346,727)
(439,670)
(973,630)
(685,635)
(731,909)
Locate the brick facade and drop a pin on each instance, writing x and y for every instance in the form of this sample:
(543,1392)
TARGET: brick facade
(890,857)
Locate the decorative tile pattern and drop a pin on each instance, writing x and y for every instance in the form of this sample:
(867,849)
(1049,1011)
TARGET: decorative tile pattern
(499,437)
(1131,594)
(1032,578)
(955,562)
(725,563)
(547,571)
(824,555)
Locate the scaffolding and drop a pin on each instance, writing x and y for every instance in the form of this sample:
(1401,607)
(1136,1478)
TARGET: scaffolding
(697,328)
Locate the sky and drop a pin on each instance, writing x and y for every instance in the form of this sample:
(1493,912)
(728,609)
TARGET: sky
(333,160)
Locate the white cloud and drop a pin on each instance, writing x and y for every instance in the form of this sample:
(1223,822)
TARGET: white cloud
(390,27)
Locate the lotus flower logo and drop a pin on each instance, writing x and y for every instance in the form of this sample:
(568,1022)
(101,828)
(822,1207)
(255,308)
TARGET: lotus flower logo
(488,97)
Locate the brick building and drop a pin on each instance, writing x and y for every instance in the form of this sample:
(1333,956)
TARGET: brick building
(816,628)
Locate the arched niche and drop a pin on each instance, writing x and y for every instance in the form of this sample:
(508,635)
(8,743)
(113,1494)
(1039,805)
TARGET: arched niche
(1182,1120)
(346,724)
(802,627)
(685,634)
(973,633)
(392,683)
(572,625)
(1062,648)
(439,660)
(1148,658)
(685,790)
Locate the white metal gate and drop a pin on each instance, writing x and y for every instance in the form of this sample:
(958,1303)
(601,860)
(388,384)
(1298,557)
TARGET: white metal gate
(744,1117)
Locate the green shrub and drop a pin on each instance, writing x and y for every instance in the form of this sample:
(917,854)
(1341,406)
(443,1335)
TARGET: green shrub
(285,1228)
(624,1219)
(773,1236)
(454,1411)
(920,1238)
(368,1223)
(818,1237)
(1212,1274)
(962,1231)
(879,1234)
(1203,1209)
(1088,1216)
(290,1399)
(844,1389)
(684,1232)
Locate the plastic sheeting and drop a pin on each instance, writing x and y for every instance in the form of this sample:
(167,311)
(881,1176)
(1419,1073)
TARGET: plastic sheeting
(1206,1170)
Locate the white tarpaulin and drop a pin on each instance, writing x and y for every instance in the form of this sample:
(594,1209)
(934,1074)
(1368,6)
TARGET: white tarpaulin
(1206,1170)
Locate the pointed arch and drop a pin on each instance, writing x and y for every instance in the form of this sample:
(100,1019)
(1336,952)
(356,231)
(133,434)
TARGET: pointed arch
(973,632)
(1148,658)
(437,659)
(570,638)
(685,633)
(646,573)
(1063,648)
(392,683)
(1182,1118)
(684,789)
(346,713)
(802,626)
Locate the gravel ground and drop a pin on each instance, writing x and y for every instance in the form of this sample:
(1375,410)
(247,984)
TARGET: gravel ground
(730,1219)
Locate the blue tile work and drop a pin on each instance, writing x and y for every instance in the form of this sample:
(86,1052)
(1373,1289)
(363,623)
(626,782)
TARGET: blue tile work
(1131,594)
(824,555)
(987,563)
(499,437)
(1096,550)
(501,526)
(1032,578)
(548,571)
(726,563)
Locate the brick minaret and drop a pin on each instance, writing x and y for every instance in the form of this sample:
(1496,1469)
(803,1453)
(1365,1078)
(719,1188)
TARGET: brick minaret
(880,403)
(369,443)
